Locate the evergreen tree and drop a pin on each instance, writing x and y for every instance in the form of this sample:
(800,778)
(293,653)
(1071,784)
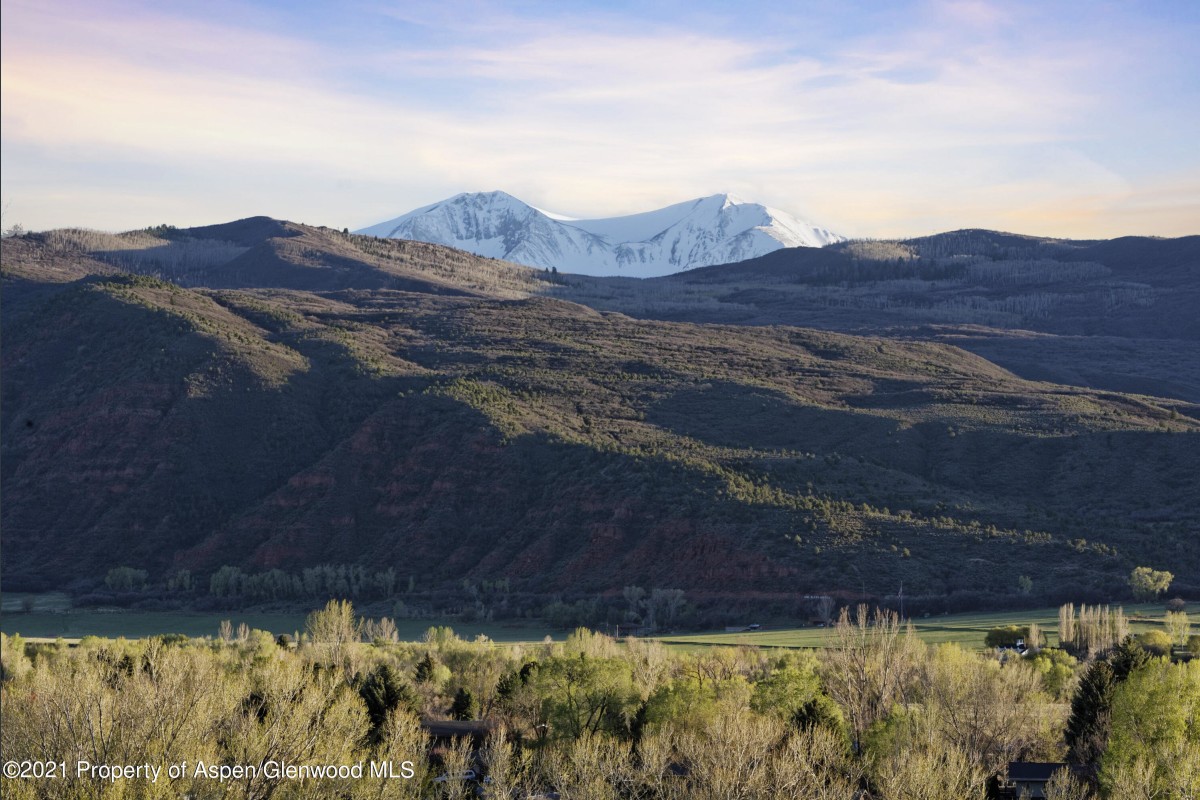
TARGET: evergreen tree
(464,706)
(383,691)
(1127,658)
(1087,727)
(820,711)
(507,686)
(425,667)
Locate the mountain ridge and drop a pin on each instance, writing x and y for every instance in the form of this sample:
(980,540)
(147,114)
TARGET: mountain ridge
(717,229)
(388,407)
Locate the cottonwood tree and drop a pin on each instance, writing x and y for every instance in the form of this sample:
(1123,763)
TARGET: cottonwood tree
(140,703)
(730,756)
(509,766)
(686,703)
(1156,722)
(401,739)
(649,660)
(634,596)
(870,666)
(126,579)
(1131,781)
(815,764)
(1094,631)
(1057,669)
(992,712)
(584,695)
(13,661)
(822,608)
(593,767)
(787,690)
(1066,623)
(654,762)
(1148,584)
(456,760)
(333,629)
(292,713)
(1178,626)
(1064,785)
(381,630)
(928,770)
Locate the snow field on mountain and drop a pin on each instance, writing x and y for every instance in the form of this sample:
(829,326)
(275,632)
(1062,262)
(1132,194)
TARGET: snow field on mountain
(711,230)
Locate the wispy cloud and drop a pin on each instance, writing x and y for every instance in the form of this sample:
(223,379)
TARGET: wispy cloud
(956,113)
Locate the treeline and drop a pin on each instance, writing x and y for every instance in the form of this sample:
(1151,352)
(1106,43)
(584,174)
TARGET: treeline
(230,582)
(161,251)
(989,244)
(877,715)
(637,608)
(325,580)
(968,276)
(483,274)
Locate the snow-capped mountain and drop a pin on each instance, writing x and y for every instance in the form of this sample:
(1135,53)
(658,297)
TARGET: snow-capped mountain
(710,230)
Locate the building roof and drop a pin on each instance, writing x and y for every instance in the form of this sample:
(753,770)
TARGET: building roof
(1033,770)
(456,727)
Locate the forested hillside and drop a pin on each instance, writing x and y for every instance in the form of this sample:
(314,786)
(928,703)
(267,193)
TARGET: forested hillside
(1118,315)
(294,396)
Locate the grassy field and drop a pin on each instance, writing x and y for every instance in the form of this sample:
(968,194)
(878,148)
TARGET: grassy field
(52,617)
(11,602)
(968,630)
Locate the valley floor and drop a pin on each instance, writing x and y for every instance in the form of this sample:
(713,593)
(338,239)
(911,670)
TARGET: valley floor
(52,617)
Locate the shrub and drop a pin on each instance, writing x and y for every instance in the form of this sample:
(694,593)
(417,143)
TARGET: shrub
(1155,642)
(1006,635)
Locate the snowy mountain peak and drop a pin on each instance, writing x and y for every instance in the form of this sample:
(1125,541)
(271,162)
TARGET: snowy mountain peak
(728,200)
(718,229)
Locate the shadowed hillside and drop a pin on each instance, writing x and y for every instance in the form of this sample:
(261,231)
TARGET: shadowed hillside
(455,428)
(262,252)
(1118,315)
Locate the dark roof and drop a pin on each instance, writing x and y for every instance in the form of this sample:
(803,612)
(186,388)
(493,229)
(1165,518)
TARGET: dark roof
(1033,770)
(455,727)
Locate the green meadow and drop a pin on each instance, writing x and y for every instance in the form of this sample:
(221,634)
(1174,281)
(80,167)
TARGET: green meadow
(53,617)
(967,630)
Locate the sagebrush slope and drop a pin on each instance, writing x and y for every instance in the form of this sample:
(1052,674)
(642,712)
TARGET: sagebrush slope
(451,435)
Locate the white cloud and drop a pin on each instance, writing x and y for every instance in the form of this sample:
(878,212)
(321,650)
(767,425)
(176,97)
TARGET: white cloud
(899,131)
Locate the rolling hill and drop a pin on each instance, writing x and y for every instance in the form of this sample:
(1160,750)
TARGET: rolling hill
(295,396)
(1117,315)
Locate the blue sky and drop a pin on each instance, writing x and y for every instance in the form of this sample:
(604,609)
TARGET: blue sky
(873,119)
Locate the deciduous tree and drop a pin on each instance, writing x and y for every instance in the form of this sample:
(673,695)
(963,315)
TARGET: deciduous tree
(1148,584)
(1156,723)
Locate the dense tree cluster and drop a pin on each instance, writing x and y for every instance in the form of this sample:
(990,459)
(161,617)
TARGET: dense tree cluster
(878,715)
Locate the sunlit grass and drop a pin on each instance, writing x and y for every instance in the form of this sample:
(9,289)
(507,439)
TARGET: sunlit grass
(968,630)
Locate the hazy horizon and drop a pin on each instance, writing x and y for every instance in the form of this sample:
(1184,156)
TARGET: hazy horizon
(1071,120)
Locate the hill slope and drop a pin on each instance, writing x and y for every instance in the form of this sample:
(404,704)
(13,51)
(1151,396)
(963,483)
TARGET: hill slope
(1118,315)
(448,434)
(260,252)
